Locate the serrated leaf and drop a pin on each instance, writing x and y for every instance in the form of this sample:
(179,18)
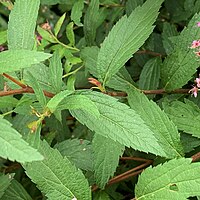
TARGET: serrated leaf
(3,37)
(185,115)
(76,12)
(79,101)
(14,60)
(56,100)
(8,101)
(78,151)
(15,191)
(179,67)
(106,158)
(70,33)
(21,25)
(91,22)
(132,4)
(176,179)
(55,72)
(37,89)
(4,183)
(13,147)
(125,38)
(164,130)
(59,24)
(150,75)
(57,177)
(119,123)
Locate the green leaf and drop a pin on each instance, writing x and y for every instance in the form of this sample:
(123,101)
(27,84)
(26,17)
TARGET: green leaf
(164,130)
(78,151)
(132,4)
(125,38)
(55,72)
(150,75)
(14,60)
(76,12)
(37,89)
(176,179)
(185,115)
(57,177)
(4,183)
(101,195)
(91,22)
(46,35)
(189,142)
(79,101)
(13,147)
(15,191)
(70,33)
(59,24)
(6,102)
(3,37)
(179,67)
(106,158)
(21,25)
(57,99)
(119,123)
(89,56)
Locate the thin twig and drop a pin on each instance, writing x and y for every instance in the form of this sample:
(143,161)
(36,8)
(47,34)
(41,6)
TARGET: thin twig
(196,157)
(14,80)
(136,158)
(150,53)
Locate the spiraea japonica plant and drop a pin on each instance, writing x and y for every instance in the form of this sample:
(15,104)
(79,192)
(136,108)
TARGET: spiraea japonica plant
(99,99)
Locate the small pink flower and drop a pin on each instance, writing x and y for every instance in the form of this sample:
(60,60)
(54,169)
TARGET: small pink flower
(198,24)
(195,44)
(198,82)
(197,53)
(194,91)
(39,38)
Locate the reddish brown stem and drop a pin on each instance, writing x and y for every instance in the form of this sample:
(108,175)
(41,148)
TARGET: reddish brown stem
(196,157)
(150,53)
(136,158)
(14,80)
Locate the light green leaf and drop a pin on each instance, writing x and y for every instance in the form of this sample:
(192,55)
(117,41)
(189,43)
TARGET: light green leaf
(91,22)
(55,72)
(164,130)
(13,147)
(57,177)
(119,123)
(16,192)
(37,89)
(78,151)
(3,37)
(79,101)
(125,38)
(59,24)
(4,183)
(179,67)
(46,35)
(186,116)
(55,101)
(150,75)
(76,12)
(21,25)
(176,179)
(14,60)
(132,4)
(6,102)
(70,33)
(106,158)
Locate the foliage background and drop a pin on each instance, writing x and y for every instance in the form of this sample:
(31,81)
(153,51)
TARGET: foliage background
(94,93)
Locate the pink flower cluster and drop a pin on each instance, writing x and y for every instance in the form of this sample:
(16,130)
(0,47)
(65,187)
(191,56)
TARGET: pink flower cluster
(196,44)
(195,88)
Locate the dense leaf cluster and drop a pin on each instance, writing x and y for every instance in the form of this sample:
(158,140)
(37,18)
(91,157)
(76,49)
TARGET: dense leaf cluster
(94,99)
